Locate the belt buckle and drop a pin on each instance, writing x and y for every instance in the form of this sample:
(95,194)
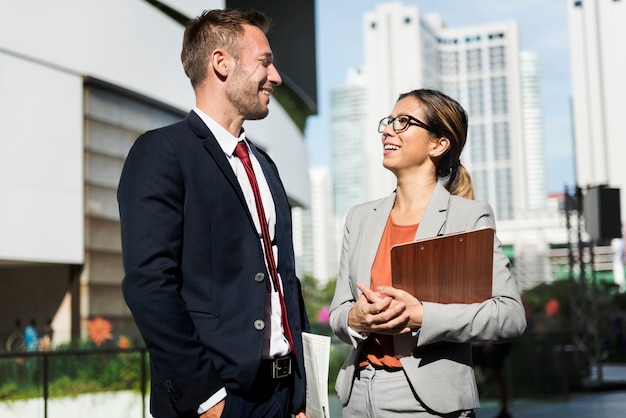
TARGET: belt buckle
(281,367)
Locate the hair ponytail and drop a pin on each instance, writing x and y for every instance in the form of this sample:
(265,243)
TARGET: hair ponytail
(447,118)
(460,182)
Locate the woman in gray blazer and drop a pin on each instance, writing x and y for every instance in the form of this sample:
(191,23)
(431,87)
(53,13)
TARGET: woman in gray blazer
(412,357)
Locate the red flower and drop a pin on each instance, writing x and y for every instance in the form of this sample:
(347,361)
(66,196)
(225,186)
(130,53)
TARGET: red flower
(552,307)
(99,330)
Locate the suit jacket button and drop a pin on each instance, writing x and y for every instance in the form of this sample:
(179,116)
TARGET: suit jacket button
(169,386)
(259,324)
(259,277)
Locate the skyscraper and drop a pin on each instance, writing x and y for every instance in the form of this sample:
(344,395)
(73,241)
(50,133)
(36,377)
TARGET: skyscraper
(480,67)
(318,245)
(348,127)
(534,162)
(483,68)
(598,65)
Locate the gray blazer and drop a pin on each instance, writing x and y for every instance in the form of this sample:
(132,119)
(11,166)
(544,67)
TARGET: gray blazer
(442,376)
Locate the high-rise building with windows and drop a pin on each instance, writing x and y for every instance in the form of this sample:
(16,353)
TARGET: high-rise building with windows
(598,63)
(348,127)
(498,85)
(319,239)
(532,123)
(480,66)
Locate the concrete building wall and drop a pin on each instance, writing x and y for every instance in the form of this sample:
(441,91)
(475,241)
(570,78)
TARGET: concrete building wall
(79,81)
(598,64)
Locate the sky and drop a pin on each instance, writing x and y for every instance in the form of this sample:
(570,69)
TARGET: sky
(543,28)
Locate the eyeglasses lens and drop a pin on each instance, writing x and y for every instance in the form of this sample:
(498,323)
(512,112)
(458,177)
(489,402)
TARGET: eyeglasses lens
(398,124)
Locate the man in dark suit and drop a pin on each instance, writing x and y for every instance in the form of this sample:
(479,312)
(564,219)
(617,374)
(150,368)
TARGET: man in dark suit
(198,270)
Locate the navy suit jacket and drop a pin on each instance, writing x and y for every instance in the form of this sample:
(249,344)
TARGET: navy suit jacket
(195,275)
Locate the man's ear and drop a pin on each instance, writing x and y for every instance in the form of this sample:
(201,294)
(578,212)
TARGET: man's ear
(220,63)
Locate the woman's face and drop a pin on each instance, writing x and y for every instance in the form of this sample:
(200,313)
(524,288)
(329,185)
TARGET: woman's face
(410,148)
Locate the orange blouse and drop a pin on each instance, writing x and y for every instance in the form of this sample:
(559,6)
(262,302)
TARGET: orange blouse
(379,350)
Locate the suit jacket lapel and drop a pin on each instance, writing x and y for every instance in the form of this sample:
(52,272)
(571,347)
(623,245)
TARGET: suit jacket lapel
(432,224)
(217,154)
(210,144)
(434,219)
(268,172)
(373,226)
(276,189)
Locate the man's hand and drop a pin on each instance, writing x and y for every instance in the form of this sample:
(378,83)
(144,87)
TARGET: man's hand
(215,411)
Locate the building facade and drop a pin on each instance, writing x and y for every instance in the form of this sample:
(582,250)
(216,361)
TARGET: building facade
(348,128)
(479,66)
(78,84)
(532,123)
(598,64)
(318,226)
(498,85)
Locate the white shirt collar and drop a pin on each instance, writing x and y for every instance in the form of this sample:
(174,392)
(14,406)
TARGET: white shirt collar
(225,139)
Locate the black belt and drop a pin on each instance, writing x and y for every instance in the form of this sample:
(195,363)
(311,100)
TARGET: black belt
(276,368)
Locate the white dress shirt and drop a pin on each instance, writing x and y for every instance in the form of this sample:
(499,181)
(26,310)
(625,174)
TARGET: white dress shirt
(275,343)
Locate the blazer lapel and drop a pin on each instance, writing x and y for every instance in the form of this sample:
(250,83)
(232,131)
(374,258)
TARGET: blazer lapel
(432,224)
(374,223)
(434,219)
(272,180)
(210,144)
(217,154)
(276,189)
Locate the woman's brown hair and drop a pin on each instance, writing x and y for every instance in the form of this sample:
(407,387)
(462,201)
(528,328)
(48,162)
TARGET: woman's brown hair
(447,118)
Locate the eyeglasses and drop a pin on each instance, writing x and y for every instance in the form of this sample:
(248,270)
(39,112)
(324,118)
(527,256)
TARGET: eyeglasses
(400,123)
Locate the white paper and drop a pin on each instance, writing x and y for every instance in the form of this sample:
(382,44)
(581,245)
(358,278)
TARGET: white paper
(316,363)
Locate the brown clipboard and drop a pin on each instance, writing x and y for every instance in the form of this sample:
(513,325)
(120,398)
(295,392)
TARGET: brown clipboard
(453,268)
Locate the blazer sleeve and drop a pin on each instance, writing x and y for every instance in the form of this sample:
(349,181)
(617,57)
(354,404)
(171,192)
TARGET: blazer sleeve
(500,318)
(345,294)
(151,193)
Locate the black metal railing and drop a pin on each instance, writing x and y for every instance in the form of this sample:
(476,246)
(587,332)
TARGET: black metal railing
(26,375)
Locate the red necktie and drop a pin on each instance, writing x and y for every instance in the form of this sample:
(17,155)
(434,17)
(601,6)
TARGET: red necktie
(241,151)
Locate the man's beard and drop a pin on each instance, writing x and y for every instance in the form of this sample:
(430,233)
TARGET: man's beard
(244,95)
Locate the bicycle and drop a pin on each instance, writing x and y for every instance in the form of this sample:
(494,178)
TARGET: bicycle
(15,342)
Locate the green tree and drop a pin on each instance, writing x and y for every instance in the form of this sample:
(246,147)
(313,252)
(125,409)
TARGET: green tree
(316,297)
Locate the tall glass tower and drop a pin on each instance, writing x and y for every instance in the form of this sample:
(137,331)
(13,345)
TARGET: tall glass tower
(480,67)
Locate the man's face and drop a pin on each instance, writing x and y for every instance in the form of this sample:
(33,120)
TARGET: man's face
(254,76)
